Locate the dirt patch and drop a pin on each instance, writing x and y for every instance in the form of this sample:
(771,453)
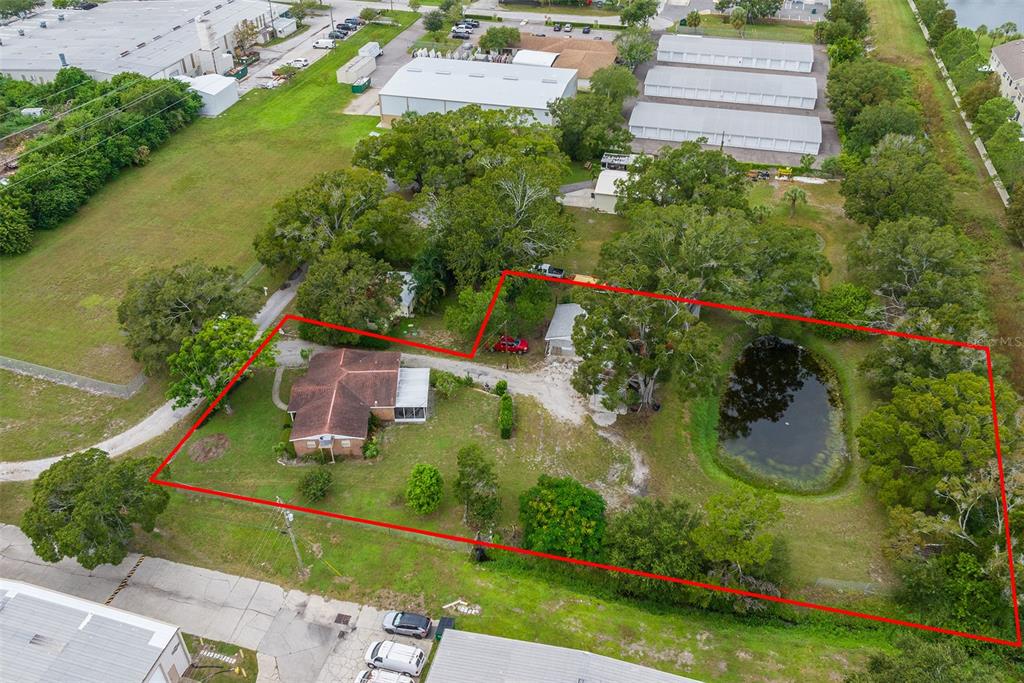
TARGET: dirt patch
(209,448)
(389,599)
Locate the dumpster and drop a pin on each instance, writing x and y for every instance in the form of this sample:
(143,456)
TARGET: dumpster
(443,624)
(362,85)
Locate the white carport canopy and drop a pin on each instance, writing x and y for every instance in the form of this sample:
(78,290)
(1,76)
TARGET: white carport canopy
(741,87)
(534,57)
(728,127)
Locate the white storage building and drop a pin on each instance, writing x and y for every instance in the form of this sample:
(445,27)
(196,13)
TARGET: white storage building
(606,192)
(746,129)
(558,339)
(49,636)
(217,92)
(427,85)
(741,87)
(746,54)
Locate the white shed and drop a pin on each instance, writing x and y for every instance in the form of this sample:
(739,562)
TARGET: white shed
(217,92)
(558,340)
(728,127)
(606,192)
(741,87)
(534,58)
(746,54)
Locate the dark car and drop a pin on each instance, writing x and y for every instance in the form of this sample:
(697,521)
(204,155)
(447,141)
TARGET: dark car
(407,624)
(461,35)
(355,20)
(507,344)
(557,27)
(471,22)
(586,29)
(338,35)
(87,5)
(341,27)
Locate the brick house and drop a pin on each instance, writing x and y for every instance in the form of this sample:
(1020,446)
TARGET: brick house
(330,406)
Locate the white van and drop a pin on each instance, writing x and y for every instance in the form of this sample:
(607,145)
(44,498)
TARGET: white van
(382,676)
(387,654)
(323,44)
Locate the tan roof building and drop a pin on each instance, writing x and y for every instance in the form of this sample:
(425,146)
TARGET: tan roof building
(586,56)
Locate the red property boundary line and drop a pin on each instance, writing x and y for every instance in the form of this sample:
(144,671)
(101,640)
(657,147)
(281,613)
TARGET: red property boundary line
(153,478)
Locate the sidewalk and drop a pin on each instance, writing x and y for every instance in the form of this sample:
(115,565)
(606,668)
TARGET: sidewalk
(298,637)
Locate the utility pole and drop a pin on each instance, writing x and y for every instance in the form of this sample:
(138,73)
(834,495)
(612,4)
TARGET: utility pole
(288,517)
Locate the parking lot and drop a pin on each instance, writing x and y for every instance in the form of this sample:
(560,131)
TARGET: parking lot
(364,627)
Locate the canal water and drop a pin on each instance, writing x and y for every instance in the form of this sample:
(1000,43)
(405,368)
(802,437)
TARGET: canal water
(778,417)
(992,13)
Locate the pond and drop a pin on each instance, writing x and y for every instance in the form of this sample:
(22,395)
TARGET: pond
(992,13)
(780,418)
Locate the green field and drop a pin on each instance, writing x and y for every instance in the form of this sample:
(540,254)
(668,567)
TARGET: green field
(203,195)
(794,33)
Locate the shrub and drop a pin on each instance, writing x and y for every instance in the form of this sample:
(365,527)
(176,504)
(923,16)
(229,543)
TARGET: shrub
(371,449)
(424,490)
(506,416)
(315,484)
(369,13)
(844,303)
(501,387)
(15,230)
(444,383)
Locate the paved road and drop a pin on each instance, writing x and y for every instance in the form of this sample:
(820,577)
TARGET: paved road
(294,633)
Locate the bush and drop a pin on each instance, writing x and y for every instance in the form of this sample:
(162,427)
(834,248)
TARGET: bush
(369,13)
(15,230)
(844,303)
(315,484)
(371,449)
(424,490)
(444,383)
(506,416)
(501,387)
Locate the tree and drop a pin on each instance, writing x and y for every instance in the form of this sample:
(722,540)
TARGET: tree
(246,34)
(347,288)
(509,218)
(1006,150)
(945,22)
(424,490)
(617,83)
(476,487)
(433,21)
(318,215)
(498,38)
(992,115)
(164,306)
(590,125)
(655,537)
(635,46)
(562,517)
(845,50)
(792,197)
(932,428)
(686,174)
(844,303)
(415,5)
(454,13)
(369,13)
(1015,213)
(15,231)
(901,178)
(917,660)
(693,19)
(85,506)
(861,83)
(854,13)
(390,231)
(300,9)
(738,18)
(208,360)
(753,10)
(15,8)
(978,94)
(902,117)
(637,12)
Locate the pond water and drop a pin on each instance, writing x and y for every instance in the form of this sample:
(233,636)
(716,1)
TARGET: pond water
(992,13)
(778,418)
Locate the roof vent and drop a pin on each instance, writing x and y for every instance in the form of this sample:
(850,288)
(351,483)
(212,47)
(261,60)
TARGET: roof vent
(60,17)
(140,45)
(476,75)
(510,78)
(176,27)
(125,53)
(443,73)
(548,80)
(21,31)
(415,69)
(42,24)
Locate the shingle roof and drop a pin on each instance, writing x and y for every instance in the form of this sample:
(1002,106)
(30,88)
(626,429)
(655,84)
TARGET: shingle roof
(711,120)
(732,81)
(464,657)
(49,636)
(339,389)
(1011,56)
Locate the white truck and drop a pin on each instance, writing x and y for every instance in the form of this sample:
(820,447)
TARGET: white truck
(371,49)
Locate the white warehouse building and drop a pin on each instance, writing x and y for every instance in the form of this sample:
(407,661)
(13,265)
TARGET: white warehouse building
(427,85)
(745,54)
(728,127)
(741,87)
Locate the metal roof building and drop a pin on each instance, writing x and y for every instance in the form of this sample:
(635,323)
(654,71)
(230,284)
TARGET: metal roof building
(157,39)
(48,636)
(464,657)
(558,339)
(426,85)
(746,54)
(728,127)
(741,87)
(534,58)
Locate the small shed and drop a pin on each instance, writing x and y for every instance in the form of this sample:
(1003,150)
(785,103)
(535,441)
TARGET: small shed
(284,26)
(558,340)
(606,191)
(357,68)
(217,92)
(534,57)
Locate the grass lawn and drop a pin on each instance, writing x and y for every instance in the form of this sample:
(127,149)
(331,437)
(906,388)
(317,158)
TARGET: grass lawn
(594,229)
(203,195)
(39,419)
(794,33)
(438,41)
(562,9)
(244,670)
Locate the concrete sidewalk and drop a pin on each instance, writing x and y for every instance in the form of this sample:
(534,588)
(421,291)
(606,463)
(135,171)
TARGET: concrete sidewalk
(298,637)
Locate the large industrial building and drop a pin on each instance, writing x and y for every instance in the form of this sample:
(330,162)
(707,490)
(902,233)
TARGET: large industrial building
(740,87)
(464,657)
(426,85)
(744,54)
(157,39)
(46,636)
(728,127)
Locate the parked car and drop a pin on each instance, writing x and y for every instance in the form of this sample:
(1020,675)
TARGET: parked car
(342,27)
(567,28)
(460,35)
(464,27)
(557,27)
(407,624)
(549,270)
(338,35)
(355,20)
(586,29)
(302,62)
(86,5)
(540,35)
(471,22)
(382,676)
(323,44)
(507,344)
(387,654)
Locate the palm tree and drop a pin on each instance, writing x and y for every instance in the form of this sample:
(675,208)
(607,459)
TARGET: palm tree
(693,19)
(794,196)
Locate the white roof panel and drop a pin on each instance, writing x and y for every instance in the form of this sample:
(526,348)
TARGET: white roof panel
(566,314)
(729,47)
(486,83)
(534,58)
(413,387)
(712,120)
(732,81)
(606,182)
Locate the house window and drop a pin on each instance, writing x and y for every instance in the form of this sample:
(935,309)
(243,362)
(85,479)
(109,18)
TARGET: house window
(345,443)
(410,413)
(311,444)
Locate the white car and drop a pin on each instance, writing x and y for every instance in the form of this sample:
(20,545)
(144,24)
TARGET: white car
(387,654)
(381,676)
(324,44)
(300,63)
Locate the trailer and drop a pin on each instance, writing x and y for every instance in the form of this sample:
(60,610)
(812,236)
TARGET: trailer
(357,68)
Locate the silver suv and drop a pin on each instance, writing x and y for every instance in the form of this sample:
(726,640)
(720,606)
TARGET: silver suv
(407,624)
